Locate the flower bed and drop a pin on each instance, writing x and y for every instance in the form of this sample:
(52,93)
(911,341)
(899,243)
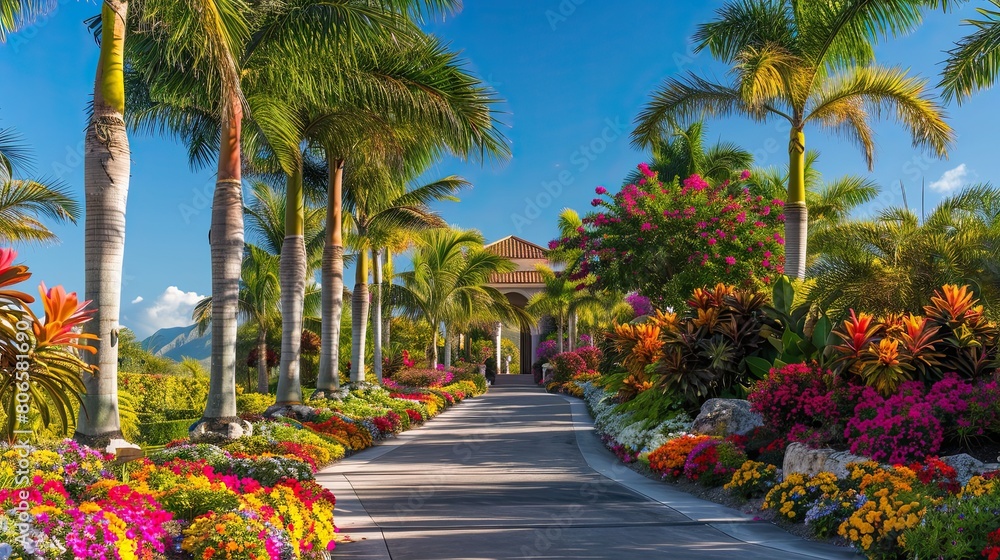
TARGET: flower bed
(883,511)
(251,498)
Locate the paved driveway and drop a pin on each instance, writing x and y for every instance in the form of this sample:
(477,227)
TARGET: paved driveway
(519,473)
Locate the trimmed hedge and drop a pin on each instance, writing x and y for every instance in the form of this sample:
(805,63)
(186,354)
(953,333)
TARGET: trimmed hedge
(159,433)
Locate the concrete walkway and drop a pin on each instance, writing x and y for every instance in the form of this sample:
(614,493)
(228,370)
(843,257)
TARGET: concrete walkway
(519,473)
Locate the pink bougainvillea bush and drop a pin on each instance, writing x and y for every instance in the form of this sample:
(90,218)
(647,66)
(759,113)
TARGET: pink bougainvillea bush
(681,235)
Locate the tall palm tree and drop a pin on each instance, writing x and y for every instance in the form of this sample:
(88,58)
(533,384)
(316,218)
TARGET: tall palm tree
(974,63)
(681,152)
(448,283)
(807,63)
(24,202)
(436,106)
(375,214)
(260,289)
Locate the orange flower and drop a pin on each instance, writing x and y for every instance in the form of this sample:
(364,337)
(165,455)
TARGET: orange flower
(13,274)
(63,312)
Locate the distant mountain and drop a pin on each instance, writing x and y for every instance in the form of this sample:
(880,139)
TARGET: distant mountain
(178,343)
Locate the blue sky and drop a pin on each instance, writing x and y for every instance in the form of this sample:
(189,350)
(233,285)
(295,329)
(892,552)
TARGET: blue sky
(573,73)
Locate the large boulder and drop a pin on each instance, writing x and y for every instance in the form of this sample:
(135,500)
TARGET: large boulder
(724,417)
(217,430)
(800,458)
(967,466)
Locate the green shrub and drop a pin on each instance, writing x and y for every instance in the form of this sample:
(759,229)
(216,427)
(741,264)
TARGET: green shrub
(189,502)
(955,531)
(157,393)
(479,380)
(159,433)
(253,403)
(182,413)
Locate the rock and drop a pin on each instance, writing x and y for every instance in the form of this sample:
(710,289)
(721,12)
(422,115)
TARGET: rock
(217,430)
(966,466)
(723,417)
(800,458)
(293,411)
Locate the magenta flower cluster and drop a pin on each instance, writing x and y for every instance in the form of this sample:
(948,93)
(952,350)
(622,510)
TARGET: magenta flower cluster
(796,397)
(681,235)
(640,304)
(897,430)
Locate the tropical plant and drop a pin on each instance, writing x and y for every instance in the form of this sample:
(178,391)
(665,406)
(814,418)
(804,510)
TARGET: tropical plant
(664,239)
(14,14)
(894,261)
(24,202)
(561,300)
(448,283)
(974,63)
(806,63)
(681,153)
(42,366)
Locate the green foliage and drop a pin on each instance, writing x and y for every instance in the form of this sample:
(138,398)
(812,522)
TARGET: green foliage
(508,348)
(133,358)
(189,502)
(663,238)
(160,433)
(158,393)
(956,531)
(253,403)
(798,334)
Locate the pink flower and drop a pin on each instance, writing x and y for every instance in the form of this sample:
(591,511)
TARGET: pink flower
(601,190)
(730,261)
(646,226)
(765,263)
(645,170)
(741,217)
(745,175)
(553,244)
(712,241)
(595,202)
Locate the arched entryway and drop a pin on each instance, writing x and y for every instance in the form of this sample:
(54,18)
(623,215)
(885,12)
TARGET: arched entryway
(524,342)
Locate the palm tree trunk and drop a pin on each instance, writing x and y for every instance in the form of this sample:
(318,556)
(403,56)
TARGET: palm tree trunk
(447,347)
(359,319)
(377,317)
(434,348)
(263,379)
(560,331)
(332,277)
(106,180)
(387,320)
(292,277)
(226,240)
(572,330)
(796,213)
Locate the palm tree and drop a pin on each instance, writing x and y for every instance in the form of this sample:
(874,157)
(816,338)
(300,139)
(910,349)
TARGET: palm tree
(681,152)
(448,283)
(24,202)
(438,106)
(974,63)
(893,262)
(376,213)
(559,299)
(805,63)
(260,290)
(192,39)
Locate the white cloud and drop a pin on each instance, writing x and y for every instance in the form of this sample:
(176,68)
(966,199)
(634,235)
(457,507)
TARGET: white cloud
(172,308)
(951,180)
(138,299)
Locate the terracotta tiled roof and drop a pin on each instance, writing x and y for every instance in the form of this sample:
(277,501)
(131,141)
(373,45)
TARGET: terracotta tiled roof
(514,247)
(517,277)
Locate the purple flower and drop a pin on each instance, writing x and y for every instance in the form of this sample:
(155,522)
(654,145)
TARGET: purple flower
(601,190)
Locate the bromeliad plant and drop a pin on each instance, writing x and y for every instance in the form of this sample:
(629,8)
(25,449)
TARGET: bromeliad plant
(952,336)
(40,356)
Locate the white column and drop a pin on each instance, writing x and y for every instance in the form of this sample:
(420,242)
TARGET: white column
(497,353)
